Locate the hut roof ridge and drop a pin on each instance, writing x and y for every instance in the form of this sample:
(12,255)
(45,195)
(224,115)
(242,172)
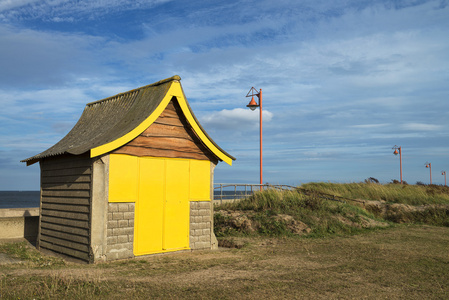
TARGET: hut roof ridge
(173,78)
(113,121)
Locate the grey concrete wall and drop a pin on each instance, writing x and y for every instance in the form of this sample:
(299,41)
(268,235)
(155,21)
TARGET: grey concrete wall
(99,209)
(19,223)
(200,225)
(120,231)
(213,238)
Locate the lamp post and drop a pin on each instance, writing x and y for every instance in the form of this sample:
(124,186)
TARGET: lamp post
(444,173)
(429,165)
(253,105)
(398,150)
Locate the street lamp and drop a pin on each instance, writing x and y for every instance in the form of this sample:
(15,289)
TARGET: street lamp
(444,173)
(429,165)
(253,105)
(398,150)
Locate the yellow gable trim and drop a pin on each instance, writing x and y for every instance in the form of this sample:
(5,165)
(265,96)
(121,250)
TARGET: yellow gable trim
(135,132)
(185,109)
(174,90)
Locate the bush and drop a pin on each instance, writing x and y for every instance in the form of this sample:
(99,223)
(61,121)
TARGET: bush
(371,180)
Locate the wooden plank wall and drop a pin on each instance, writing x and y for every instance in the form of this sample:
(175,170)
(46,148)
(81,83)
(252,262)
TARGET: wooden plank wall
(169,136)
(65,205)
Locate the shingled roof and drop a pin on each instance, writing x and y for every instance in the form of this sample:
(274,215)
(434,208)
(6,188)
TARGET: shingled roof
(111,122)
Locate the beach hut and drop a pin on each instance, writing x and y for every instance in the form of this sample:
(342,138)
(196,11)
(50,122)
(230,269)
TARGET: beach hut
(133,177)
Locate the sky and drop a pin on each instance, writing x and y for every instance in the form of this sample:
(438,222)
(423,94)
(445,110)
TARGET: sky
(343,81)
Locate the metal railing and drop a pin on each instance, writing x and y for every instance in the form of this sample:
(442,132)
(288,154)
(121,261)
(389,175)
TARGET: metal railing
(236,191)
(224,192)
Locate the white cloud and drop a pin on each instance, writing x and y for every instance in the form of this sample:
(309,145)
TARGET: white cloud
(58,19)
(421,127)
(235,119)
(24,104)
(84,9)
(31,57)
(370,126)
(10,4)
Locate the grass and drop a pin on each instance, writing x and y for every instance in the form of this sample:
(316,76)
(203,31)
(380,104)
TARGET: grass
(22,251)
(402,262)
(50,287)
(393,193)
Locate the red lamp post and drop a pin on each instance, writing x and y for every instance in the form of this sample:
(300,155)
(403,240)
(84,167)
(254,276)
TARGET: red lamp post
(444,173)
(429,165)
(253,105)
(398,150)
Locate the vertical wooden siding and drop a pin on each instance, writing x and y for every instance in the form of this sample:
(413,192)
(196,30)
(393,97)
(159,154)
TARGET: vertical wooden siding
(66,205)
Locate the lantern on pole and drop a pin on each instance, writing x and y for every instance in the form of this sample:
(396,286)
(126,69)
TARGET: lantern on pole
(253,105)
(429,166)
(398,150)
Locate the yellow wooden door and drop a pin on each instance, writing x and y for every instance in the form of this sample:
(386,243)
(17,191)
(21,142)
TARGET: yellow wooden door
(177,210)
(162,211)
(149,210)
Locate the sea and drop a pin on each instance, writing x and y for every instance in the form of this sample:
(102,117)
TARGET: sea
(19,199)
(24,199)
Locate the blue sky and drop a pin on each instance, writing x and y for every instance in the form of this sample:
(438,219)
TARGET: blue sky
(343,81)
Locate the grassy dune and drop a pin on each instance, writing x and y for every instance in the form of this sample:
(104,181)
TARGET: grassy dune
(264,208)
(394,193)
(264,212)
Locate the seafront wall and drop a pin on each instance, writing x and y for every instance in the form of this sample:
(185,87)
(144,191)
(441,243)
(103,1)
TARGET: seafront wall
(19,223)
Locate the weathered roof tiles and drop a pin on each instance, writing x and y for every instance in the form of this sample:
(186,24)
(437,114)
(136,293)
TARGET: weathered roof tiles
(115,120)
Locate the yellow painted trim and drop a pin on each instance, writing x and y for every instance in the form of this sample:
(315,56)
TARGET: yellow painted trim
(174,90)
(136,131)
(185,109)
